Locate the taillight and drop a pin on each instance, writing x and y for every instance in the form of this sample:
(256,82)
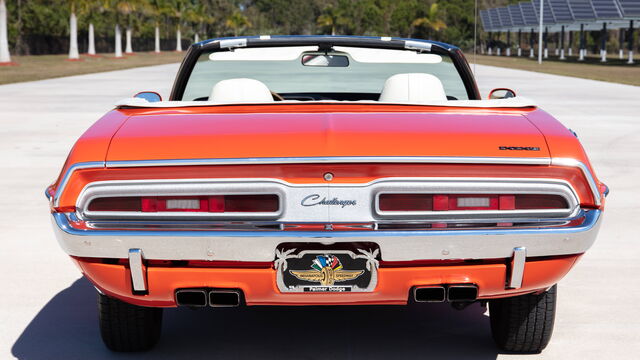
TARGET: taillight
(462,202)
(214,204)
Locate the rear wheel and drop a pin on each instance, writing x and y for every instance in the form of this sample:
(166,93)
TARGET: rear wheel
(126,327)
(523,324)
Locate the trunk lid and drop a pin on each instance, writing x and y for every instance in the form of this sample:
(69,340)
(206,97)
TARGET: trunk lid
(219,136)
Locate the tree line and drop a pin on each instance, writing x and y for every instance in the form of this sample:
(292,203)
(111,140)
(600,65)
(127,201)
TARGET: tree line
(38,20)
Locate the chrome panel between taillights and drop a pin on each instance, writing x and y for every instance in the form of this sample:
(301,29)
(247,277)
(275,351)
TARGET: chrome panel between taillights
(346,202)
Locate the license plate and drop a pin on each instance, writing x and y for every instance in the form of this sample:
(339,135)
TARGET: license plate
(321,271)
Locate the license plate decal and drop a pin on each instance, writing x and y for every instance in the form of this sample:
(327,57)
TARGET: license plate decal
(314,271)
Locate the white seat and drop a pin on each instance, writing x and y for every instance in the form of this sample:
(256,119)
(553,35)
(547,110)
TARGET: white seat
(412,88)
(240,90)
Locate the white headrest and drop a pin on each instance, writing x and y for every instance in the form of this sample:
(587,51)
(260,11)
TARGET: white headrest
(240,90)
(413,88)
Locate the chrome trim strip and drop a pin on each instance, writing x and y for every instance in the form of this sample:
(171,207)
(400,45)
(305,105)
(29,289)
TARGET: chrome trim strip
(585,170)
(333,160)
(339,159)
(518,260)
(67,175)
(395,245)
(290,195)
(137,270)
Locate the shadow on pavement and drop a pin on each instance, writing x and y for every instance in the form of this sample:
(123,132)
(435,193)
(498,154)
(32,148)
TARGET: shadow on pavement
(66,328)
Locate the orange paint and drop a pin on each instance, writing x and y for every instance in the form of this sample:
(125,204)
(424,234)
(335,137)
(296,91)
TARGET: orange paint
(259,284)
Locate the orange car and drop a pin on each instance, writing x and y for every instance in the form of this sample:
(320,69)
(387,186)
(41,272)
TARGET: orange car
(326,170)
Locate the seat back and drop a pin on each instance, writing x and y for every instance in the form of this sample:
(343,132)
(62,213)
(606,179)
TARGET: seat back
(413,88)
(240,90)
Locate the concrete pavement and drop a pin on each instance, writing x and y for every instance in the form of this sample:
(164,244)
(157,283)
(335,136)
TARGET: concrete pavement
(47,310)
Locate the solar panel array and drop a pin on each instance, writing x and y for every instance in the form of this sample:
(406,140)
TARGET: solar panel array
(606,9)
(494,18)
(486,21)
(582,10)
(548,18)
(559,12)
(630,8)
(530,17)
(516,15)
(505,17)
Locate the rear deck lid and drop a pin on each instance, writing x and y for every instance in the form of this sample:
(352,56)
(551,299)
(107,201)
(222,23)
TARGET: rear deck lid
(224,136)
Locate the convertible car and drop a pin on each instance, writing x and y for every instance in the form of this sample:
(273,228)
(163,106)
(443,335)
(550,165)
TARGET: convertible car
(326,170)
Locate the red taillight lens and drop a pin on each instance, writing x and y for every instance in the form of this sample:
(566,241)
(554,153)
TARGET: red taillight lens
(116,204)
(462,202)
(216,203)
(406,202)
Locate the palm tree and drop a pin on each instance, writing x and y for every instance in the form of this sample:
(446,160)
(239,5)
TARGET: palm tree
(73,34)
(331,18)
(431,20)
(237,22)
(177,9)
(157,9)
(5,57)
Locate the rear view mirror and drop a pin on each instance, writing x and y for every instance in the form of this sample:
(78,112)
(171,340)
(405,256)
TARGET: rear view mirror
(501,93)
(150,96)
(324,60)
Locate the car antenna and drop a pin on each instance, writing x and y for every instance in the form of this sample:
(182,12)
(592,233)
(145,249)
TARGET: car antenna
(475,33)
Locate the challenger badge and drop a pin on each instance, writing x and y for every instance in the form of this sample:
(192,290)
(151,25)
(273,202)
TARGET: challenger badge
(326,270)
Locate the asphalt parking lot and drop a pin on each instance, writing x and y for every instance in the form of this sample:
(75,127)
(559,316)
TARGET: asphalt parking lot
(47,311)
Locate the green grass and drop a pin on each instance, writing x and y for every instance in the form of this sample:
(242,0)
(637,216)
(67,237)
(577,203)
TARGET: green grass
(51,66)
(40,67)
(614,70)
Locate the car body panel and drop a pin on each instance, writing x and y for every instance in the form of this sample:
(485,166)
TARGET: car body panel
(299,143)
(259,284)
(219,136)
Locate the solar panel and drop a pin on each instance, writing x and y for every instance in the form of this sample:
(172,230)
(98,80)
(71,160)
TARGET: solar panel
(495,19)
(630,8)
(505,17)
(582,10)
(548,13)
(606,9)
(561,11)
(516,15)
(486,22)
(529,15)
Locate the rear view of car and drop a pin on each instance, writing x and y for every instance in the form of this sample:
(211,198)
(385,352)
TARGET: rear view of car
(326,171)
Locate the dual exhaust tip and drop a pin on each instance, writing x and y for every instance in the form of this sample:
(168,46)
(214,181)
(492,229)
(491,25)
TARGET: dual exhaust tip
(232,297)
(206,297)
(441,293)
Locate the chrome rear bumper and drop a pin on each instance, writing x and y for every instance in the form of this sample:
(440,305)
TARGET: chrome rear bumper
(395,245)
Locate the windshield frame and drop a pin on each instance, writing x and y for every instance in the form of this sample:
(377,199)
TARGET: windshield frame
(323,42)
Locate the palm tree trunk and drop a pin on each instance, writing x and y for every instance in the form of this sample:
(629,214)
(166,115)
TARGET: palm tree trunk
(128,49)
(73,38)
(5,57)
(118,42)
(178,40)
(157,39)
(92,41)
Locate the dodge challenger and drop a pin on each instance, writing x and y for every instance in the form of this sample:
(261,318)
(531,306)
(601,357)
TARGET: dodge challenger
(326,170)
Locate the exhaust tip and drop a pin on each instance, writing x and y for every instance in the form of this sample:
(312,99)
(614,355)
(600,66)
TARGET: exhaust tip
(429,294)
(462,293)
(224,298)
(191,297)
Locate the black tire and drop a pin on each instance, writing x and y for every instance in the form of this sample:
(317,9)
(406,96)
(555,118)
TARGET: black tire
(523,324)
(125,327)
